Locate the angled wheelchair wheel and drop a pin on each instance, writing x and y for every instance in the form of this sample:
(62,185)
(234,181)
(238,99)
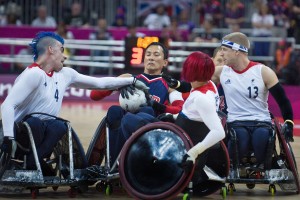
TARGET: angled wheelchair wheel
(62,148)
(286,153)
(218,161)
(5,156)
(149,162)
(97,148)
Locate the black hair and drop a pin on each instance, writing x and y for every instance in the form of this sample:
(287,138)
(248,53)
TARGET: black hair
(165,49)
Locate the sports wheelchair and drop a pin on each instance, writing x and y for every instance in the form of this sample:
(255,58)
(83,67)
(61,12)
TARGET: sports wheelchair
(279,168)
(98,156)
(149,163)
(67,163)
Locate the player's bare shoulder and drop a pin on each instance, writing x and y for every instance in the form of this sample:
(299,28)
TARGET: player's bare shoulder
(216,76)
(269,76)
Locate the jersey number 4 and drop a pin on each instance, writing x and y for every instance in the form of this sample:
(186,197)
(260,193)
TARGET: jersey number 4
(56,95)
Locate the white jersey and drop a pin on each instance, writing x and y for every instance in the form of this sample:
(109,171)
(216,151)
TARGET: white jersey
(191,107)
(246,94)
(36,91)
(202,105)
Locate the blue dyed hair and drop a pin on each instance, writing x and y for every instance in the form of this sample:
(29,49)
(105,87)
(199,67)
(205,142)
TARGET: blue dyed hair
(41,41)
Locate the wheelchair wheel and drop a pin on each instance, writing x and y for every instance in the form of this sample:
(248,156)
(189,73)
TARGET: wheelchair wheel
(4,156)
(286,153)
(149,162)
(62,148)
(97,148)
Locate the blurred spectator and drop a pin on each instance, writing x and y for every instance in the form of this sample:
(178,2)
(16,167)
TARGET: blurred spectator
(282,56)
(25,55)
(43,20)
(12,15)
(76,17)
(119,21)
(2,10)
(234,13)
(184,22)
(175,34)
(133,33)
(210,10)
(296,12)
(207,36)
(262,23)
(280,10)
(101,33)
(62,30)
(157,20)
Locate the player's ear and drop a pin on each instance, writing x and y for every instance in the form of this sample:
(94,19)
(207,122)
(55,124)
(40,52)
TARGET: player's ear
(50,49)
(166,62)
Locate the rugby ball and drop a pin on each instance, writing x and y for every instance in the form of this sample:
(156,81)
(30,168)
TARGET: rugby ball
(133,103)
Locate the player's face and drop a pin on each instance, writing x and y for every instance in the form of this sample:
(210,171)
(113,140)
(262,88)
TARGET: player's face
(218,59)
(228,55)
(58,56)
(154,60)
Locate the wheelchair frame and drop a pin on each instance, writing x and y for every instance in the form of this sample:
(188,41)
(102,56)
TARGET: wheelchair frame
(284,174)
(98,154)
(16,180)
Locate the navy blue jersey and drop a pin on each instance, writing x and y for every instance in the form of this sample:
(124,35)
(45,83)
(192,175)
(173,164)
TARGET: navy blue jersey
(158,87)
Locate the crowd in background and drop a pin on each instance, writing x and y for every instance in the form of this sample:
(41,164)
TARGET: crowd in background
(265,18)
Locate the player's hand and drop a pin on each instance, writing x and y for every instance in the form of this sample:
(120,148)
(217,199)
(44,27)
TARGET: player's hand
(287,130)
(172,82)
(126,90)
(7,144)
(166,117)
(187,163)
(140,85)
(155,105)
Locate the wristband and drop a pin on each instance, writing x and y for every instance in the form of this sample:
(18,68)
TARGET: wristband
(178,84)
(288,120)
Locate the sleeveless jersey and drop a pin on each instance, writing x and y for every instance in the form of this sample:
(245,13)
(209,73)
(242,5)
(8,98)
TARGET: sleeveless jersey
(246,94)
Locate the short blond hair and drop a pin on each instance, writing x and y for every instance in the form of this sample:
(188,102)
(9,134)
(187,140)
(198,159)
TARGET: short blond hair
(239,38)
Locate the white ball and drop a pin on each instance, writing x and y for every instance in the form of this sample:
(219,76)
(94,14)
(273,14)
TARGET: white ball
(132,104)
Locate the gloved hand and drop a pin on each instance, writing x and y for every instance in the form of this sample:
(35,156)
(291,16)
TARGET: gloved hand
(129,89)
(172,82)
(187,163)
(287,130)
(155,105)
(6,144)
(126,90)
(140,85)
(166,117)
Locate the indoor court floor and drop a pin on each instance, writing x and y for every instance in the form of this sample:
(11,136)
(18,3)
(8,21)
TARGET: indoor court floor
(85,117)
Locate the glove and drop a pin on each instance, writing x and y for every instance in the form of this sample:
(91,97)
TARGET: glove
(287,130)
(172,82)
(6,144)
(155,105)
(187,163)
(166,117)
(125,90)
(140,85)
